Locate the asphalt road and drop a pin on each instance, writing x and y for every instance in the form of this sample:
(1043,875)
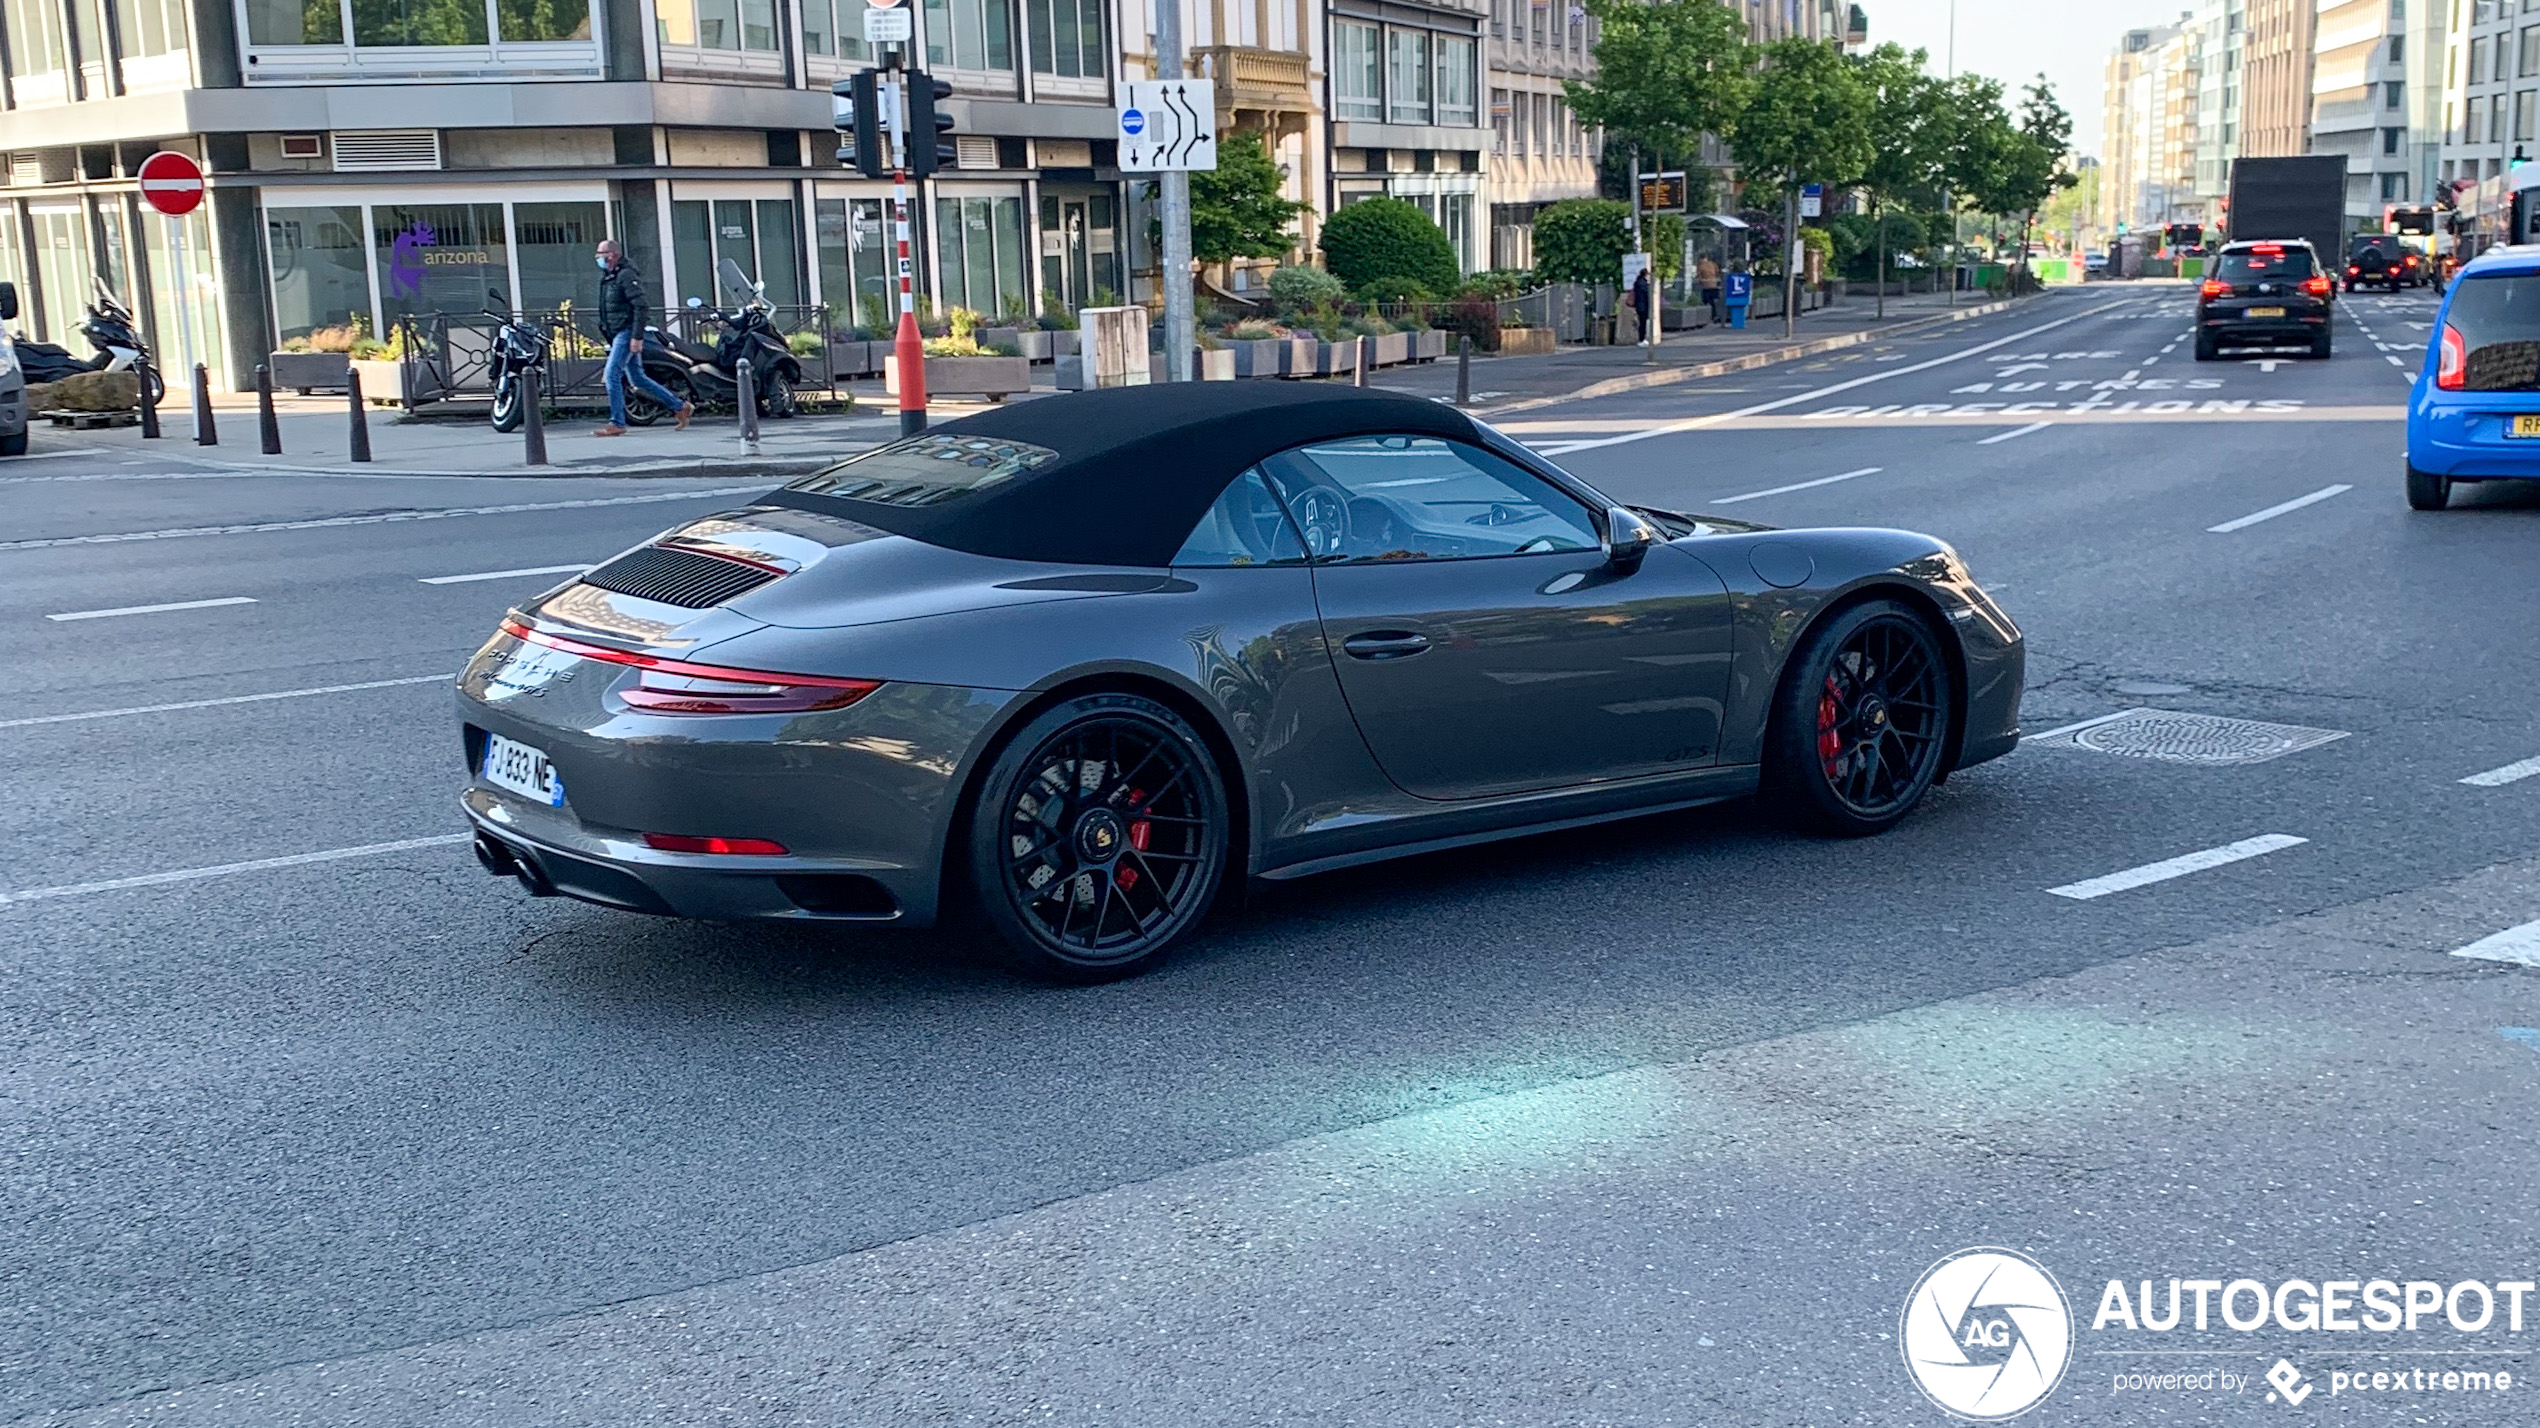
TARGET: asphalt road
(1656,1123)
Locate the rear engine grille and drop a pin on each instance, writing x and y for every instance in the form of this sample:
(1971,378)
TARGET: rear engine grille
(678,577)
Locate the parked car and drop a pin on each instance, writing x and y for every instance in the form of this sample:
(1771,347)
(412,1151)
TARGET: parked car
(2475,415)
(13,408)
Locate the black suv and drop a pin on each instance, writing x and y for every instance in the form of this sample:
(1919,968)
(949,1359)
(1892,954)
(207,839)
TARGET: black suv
(2266,293)
(2381,260)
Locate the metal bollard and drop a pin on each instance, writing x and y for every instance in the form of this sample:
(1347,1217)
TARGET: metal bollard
(359,435)
(268,426)
(1358,368)
(149,407)
(747,395)
(1464,370)
(533,420)
(205,434)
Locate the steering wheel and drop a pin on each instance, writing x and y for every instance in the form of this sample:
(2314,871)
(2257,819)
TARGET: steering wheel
(1322,513)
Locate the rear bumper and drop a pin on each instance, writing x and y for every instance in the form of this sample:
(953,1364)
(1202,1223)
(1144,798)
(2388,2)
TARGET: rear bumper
(2468,444)
(631,878)
(2227,329)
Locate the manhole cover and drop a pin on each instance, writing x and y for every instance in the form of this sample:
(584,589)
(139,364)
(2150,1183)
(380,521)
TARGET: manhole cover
(2207,740)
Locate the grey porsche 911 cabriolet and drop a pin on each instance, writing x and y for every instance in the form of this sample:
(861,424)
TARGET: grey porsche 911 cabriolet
(1073,668)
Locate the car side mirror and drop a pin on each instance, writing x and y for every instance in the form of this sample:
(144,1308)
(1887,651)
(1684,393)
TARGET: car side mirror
(1627,539)
(8,302)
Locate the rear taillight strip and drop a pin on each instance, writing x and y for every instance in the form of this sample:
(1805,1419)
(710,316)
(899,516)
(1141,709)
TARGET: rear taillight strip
(521,630)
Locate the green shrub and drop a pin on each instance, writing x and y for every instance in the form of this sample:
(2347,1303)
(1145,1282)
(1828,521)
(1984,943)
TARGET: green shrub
(1295,291)
(1583,240)
(1395,290)
(1664,235)
(1252,330)
(1477,318)
(1495,283)
(1386,239)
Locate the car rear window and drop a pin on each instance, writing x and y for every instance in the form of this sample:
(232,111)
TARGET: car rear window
(2499,322)
(923,470)
(2289,264)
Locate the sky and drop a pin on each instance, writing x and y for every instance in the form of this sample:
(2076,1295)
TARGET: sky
(2014,40)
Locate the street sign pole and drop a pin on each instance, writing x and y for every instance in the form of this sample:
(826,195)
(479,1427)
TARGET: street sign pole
(1174,267)
(908,349)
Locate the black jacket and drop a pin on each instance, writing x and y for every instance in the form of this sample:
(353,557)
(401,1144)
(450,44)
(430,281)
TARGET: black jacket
(622,300)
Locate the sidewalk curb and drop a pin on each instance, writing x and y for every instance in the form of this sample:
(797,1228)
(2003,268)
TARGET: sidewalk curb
(1670,376)
(673,468)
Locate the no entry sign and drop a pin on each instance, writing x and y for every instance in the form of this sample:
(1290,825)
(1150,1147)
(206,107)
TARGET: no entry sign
(171,183)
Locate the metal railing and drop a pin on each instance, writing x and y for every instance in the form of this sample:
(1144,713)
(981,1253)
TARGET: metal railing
(449,356)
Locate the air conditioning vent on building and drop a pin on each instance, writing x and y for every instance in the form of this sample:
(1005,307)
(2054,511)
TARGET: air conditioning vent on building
(374,150)
(26,169)
(1065,153)
(977,151)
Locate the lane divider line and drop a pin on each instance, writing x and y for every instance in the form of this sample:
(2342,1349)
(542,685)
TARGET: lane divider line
(188,875)
(2015,431)
(152,609)
(2079,725)
(2177,867)
(231,699)
(2511,773)
(390,517)
(502,574)
(2518,945)
(2271,512)
(1798,486)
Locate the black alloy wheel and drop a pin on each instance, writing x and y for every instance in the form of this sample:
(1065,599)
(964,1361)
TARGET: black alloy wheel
(642,410)
(1861,723)
(1099,837)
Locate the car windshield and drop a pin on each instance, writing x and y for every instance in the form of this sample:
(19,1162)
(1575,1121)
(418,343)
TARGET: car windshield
(924,470)
(2263,266)
(2499,322)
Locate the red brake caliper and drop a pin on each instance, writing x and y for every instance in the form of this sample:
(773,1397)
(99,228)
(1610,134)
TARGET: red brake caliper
(1829,729)
(1140,832)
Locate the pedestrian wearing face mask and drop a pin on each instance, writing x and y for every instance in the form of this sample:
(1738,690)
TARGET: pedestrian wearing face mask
(622,314)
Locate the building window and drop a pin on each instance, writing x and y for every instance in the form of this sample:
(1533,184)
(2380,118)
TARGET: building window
(1066,38)
(321,277)
(759,237)
(836,27)
(1499,121)
(1407,76)
(1455,82)
(2394,187)
(2398,49)
(2391,139)
(2523,115)
(979,254)
(1358,90)
(2392,91)
(969,34)
(706,24)
(1539,122)
(2474,121)
(2530,52)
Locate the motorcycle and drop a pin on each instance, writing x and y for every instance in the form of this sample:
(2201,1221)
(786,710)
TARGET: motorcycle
(519,348)
(111,330)
(710,377)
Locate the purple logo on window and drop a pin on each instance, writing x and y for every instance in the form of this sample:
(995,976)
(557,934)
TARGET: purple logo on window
(405,260)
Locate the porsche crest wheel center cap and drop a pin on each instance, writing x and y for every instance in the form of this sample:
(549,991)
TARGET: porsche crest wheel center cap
(1873,712)
(1099,836)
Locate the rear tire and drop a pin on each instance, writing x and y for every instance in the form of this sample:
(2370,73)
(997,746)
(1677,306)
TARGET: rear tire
(1860,724)
(1099,836)
(14,444)
(777,398)
(2207,349)
(2427,491)
(641,410)
(2320,345)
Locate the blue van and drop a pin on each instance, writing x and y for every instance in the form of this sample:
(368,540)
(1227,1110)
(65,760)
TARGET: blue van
(2475,414)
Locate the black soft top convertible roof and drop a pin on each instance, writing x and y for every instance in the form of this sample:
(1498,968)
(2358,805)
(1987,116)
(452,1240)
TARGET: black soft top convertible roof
(1134,469)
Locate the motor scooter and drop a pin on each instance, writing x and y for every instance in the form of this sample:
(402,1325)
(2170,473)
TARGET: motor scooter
(111,330)
(710,376)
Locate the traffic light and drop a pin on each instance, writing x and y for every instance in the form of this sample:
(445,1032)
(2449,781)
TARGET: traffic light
(929,145)
(855,108)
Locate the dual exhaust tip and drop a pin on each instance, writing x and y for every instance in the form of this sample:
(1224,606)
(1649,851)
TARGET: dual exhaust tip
(497,857)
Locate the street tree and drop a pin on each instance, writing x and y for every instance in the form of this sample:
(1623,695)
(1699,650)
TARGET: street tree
(1667,73)
(1237,210)
(2038,168)
(1808,120)
(1907,121)
(1974,137)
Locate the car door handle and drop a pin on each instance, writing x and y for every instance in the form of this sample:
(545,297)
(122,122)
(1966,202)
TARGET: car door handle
(1385,644)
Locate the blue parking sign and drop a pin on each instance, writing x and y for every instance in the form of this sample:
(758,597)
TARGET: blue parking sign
(1740,291)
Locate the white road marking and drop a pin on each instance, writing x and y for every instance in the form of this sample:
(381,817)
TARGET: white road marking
(2177,867)
(1697,423)
(2510,773)
(390,517)
(2267,364)
(2015,431)
(232,699)
(2271,512)
(1798,486)
(151,609)
(502,574)
(2393,361)
(188,875)
(2077,727)
(2518,945)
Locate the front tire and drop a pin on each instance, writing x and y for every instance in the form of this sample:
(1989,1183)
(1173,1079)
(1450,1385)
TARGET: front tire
(507,404)
(1099,836)
(14,444)
(2320,345)
(2427,491)
(776,399)
(1861,722)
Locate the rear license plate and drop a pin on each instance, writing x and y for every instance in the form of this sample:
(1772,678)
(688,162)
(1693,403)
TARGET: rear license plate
(2523,426)
(2266,312)
(523,770)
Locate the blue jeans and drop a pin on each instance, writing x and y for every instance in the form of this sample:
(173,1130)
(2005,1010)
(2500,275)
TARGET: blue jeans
(623,370)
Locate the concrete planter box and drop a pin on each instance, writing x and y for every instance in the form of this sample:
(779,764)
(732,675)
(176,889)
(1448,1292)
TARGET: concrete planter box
(1036,344)
(1009,339)
(1525,342)
(306,372)
(1299,357)
(1392,349)
(385,383)
(1259,357)
(1333,358)
(995,378)
(1066,342)
(856,358)
(1428,344)
(1216,365)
